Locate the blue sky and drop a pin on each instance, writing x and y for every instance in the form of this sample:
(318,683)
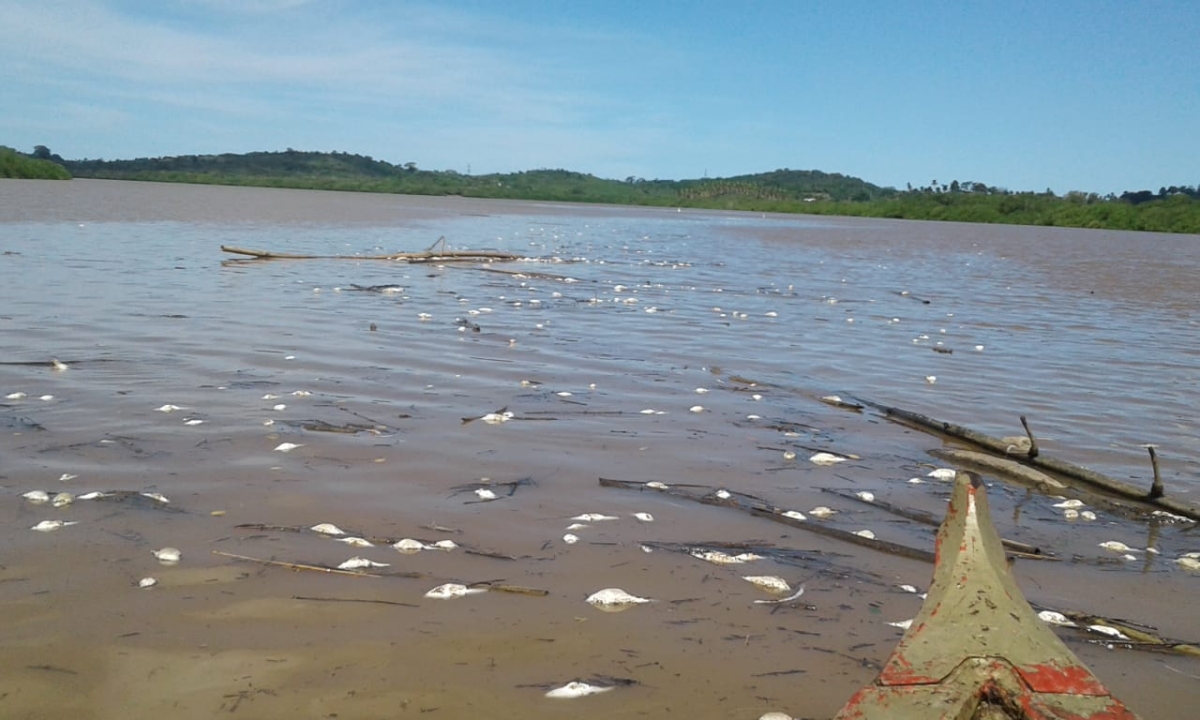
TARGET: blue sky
(1094,95)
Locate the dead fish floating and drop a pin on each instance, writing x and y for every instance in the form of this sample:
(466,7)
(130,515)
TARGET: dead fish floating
(356,542)
(358,563)
(615,600)
(770,583)
(449,591)
(327,529)
(168,555)
(52,525)
(717,557)
(577,689)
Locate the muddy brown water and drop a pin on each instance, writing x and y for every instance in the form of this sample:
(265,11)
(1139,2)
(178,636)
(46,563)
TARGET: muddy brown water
(1091,334)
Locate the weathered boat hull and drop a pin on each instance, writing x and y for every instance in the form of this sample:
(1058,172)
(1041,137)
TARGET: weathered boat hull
(977,650)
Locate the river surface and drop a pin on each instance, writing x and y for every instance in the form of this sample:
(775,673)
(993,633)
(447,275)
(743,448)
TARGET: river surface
(677,346)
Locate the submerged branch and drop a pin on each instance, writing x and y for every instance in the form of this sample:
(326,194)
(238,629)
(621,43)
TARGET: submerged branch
(1062,468)
(426,256)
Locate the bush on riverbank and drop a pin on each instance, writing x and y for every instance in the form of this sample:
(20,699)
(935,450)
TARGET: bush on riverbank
(19,165)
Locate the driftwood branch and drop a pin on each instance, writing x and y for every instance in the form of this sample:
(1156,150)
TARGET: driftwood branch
(426,256)
(1156,490)
(1062,468)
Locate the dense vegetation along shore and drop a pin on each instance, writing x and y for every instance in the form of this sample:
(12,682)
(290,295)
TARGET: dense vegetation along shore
(1175,209)
(18,165)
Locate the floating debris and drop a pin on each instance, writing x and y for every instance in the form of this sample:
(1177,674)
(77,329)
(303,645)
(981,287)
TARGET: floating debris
(787,454)
(327,529)
(770,583)
(931,379)
(824,458)
(644,516)
(452,590)
(52,525)
(941,474)
(358,563)
(594,517)
(287,447)
(147,582)
(357,542)
(37,497)
(611,599)
(168,555)
(576,689)
(59,365)
(822,512)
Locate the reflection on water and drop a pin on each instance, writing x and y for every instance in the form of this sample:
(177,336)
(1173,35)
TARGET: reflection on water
(1091,335)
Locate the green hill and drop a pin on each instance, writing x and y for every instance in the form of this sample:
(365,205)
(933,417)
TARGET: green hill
(343,171)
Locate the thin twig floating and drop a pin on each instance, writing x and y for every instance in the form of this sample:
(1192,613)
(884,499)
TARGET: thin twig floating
(295,566)
(513,589)
(427,256)
(760,508)
(357,600)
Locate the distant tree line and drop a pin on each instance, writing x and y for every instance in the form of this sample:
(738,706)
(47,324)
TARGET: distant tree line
(1171,209)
